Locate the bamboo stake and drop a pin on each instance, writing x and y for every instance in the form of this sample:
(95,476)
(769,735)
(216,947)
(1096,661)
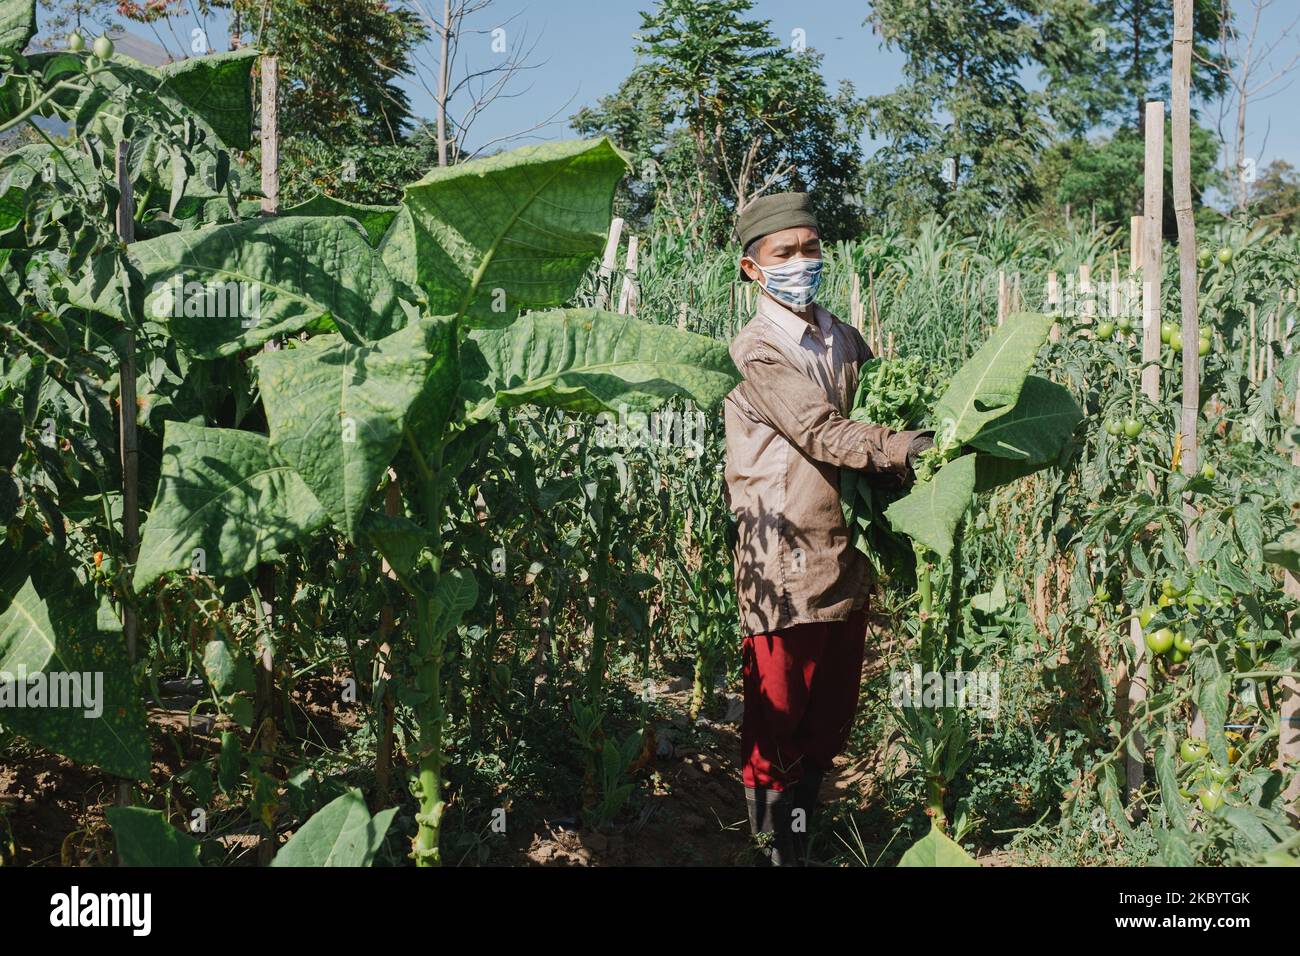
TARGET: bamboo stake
(128,436)
(1087,304)
(855,303)
(264,689)
(628,299)
(1053,304)
(607,263)
(875,313)
(270,136)
(1180,119)
(1288,745)
(1152,205)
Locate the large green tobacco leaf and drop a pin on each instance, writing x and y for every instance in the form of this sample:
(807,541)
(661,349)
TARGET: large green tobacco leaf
(1037,428)
(936,849)
(585,360)
(145,838)
(933,508)
(341,833)
(227,493)
(48,633)
(988,385)
(219,87)
(17,24)
(303,270)
(337,411)
(493,237)
(375,220)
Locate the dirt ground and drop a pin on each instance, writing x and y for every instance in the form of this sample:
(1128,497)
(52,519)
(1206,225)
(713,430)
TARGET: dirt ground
(688,811)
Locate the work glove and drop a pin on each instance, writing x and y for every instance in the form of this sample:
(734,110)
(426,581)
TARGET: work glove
(920,443)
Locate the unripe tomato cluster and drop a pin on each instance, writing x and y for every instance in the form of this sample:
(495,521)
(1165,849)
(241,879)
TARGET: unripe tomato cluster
(1207,782)
(102,47)
(1173,645)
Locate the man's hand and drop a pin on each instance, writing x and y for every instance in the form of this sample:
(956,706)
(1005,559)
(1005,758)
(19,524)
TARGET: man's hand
(920,443)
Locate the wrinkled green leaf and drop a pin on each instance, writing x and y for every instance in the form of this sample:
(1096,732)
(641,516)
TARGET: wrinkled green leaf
(223,491)
(932,509)
(247,282)
(988,385)
(219,87)
(49,629)
(375,220)
(1037,428)
(337,411)
(493,237)
(585,360)
(17,24)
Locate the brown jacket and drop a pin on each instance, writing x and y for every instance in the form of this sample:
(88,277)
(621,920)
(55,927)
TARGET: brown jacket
(788,435)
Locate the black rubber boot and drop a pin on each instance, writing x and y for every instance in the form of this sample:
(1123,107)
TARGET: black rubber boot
(804,796)
(770,812)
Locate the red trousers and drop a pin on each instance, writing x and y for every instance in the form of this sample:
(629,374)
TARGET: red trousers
(801,695)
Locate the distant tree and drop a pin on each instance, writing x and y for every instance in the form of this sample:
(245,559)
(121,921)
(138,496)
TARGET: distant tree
(340,62)
(962,133)
(1275,196)
(718,112)
(1098,175)
(1134,66)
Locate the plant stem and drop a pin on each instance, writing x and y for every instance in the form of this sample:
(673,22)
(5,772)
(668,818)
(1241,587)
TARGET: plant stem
(430,623)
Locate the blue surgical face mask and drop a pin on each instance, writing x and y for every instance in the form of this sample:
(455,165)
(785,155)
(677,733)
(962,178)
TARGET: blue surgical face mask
(793,283)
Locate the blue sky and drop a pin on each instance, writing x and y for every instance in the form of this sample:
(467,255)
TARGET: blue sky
(583,49)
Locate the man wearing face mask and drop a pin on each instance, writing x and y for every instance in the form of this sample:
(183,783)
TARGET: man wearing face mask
(800,584)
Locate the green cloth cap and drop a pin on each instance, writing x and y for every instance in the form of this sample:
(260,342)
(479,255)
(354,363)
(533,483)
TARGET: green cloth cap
(772,213)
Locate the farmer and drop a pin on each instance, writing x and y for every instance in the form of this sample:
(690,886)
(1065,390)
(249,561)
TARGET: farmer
(800,584)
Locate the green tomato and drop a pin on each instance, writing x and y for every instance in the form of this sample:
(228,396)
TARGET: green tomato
(1124,324)
(1225,255)
(1167,330)
(1193,749)
(1176,656)
(1204,348)
(1182,643)
(1114,427)
(76,42)
(1145,615)
(1160,640)
(1208,472)
(1244,628)
(1217,774)
(1204,258)
(1132,427)
(1211,797)
(1105,330)
(1101,595)
(103,48)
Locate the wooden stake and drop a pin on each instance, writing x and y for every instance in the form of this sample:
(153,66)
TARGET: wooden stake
(270,136)
(1288,744)
(628,299)
(264,689)
(128,436)
(1180,119)
(1153,204)
(607,263)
